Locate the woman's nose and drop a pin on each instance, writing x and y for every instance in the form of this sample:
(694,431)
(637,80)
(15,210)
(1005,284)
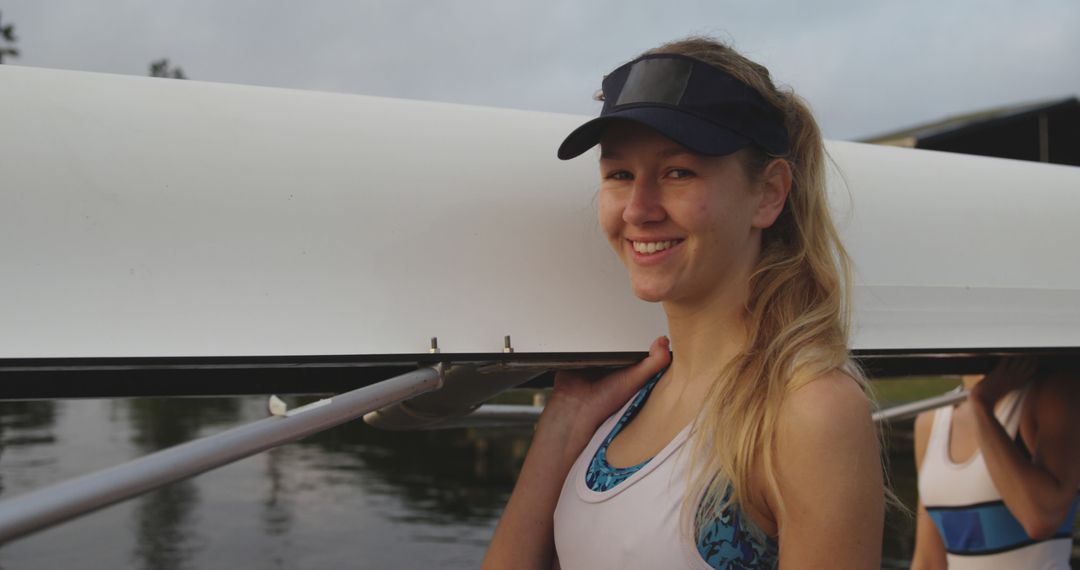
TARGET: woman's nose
(644,205)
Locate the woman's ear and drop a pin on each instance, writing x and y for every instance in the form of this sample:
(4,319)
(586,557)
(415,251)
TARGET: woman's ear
(774,185)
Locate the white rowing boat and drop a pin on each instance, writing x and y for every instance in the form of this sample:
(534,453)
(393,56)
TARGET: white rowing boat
(167,237)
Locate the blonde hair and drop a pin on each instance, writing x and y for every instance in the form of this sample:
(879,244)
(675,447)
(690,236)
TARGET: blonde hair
(797,315)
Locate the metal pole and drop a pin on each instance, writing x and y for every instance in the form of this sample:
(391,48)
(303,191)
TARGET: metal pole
(38,509)
(915,408)
(492,415)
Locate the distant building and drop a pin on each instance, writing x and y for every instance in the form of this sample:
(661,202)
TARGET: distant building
(1047,131)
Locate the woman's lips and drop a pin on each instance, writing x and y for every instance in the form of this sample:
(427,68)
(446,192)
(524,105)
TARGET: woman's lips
(652,250)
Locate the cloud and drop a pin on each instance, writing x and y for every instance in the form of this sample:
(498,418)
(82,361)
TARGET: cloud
(864,67)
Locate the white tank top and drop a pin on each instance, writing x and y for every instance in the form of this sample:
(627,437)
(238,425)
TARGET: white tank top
(636,524)
(978,531)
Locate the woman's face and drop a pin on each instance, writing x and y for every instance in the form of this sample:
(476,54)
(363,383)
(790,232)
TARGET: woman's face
(687,226)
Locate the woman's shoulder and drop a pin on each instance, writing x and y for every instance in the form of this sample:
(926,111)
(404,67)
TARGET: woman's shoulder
(828,403)
(825,420)
(825,429)
(1055,387)
(1054,396)
(828,462)
(924,424)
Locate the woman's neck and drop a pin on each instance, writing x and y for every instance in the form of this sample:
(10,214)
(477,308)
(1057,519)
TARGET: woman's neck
(705,335)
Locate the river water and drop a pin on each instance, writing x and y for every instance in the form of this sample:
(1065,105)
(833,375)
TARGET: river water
(351,497)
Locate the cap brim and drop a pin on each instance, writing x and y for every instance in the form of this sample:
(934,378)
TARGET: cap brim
(690,131)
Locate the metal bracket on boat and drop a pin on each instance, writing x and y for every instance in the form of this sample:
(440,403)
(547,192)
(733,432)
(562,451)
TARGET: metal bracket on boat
(554,365)
(458,404)
(466,387)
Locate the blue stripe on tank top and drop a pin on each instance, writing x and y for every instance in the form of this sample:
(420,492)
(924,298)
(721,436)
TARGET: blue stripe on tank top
(987,528)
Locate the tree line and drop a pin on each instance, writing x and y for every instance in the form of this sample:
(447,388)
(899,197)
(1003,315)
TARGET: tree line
(158,68)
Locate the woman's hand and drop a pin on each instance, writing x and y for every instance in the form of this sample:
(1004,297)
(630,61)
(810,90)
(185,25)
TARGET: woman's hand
(584,402)
(1011,373)
(525,537)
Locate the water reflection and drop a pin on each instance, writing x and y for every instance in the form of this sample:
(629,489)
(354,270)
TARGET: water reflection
(26,424)
(165,516)
(277,510)
(350,497)
(443,477)
(436,493)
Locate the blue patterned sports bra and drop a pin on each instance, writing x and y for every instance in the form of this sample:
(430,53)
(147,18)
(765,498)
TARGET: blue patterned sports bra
(726,543)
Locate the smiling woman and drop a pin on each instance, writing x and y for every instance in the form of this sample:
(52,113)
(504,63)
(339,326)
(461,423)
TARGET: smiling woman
(754,447)
(661,205)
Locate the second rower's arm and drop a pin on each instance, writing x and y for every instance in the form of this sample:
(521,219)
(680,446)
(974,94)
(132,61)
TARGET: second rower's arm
(1040,491)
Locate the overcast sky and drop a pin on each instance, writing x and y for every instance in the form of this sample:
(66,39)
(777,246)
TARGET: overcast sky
(865,66)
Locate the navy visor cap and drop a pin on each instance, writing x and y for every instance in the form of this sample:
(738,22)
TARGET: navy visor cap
(688,101)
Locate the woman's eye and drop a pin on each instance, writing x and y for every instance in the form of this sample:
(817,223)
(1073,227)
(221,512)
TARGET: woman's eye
(680,173)
(620,175)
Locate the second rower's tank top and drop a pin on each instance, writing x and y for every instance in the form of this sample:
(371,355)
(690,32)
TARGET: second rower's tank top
(977,529)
